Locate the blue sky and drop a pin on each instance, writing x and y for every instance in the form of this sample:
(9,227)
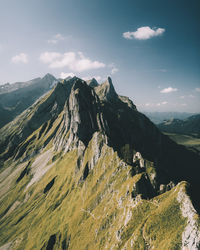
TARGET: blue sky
(149,48)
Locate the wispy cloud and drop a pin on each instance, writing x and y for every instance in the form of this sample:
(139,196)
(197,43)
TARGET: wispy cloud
(64,75)
(161,103)
(114,69)
(74,61)
(143,33)
(55,39)
(168,90)
(20,58)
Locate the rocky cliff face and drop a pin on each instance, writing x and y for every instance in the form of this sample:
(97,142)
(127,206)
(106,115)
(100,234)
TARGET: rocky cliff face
(85,163)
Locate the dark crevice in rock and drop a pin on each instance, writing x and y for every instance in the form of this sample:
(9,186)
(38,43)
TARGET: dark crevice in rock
(49,185)
(21,218)
(42,130)
(24,172)
(51,242)
(86,172)
(6,210)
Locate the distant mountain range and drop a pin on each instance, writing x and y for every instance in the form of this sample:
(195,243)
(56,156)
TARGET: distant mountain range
(159,117)
(189,126)
(82,168)
(16,97)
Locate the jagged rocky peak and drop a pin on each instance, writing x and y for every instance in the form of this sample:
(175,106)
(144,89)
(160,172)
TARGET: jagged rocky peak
(83,115)
(106,90)
(92,83)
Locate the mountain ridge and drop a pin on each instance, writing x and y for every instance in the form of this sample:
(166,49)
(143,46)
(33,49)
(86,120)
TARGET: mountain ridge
(88,151)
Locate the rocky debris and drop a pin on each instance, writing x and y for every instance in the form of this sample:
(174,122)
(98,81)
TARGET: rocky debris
(191,234)
(166,187)
(138,160)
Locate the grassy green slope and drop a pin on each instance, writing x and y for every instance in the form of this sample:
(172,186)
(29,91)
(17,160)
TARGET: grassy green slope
(62,210)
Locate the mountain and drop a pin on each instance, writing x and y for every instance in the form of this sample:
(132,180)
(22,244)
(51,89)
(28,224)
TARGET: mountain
(83,169)
(159,117)
(16,97)
(190,126)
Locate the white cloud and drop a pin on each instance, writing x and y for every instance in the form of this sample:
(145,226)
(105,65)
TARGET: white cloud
(49,57)
(183,104)
(168,90)
(197,89)
(143,33)
(58,37)
(64,75)
(20,58)
(74,61)
(182,97)
(147,104)
(163,103)
(114,70)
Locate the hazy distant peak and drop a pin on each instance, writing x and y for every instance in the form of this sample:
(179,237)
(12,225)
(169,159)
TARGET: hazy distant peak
(48,76)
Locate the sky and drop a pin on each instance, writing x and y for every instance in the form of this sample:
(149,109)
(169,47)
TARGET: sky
(149,48)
